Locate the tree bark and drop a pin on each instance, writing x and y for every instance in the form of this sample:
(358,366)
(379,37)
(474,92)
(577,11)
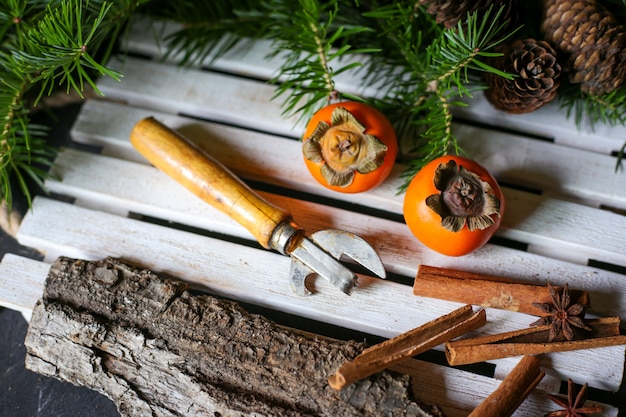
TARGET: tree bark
(157,350)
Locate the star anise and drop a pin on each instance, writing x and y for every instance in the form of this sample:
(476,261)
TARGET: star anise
(561,315)
(573,405)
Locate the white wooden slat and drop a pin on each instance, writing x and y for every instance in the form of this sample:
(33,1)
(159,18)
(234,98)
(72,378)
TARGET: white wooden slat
(447,387)
(551,121)
(564,230)
(88,177)
(179,90)
(243,273)
(250,154)
(249,58)
(563,170)
(259,277)
(577,174)
(21,283)
(580,233)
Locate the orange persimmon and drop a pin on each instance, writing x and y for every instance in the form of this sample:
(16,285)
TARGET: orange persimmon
(349,147)
(453,205)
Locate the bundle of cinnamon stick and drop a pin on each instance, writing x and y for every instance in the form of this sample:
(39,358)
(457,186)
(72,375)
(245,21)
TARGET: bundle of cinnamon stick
(493,292)
(498,292)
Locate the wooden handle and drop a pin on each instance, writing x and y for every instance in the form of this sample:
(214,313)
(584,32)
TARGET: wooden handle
(207,178)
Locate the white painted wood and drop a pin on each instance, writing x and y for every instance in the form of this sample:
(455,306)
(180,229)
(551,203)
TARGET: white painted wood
(250,58)
(551,121)
(21,283)
(563,227)
(564,230)
(577,232)
(234,100)
(259,277)
(252,155)
(456,391)
(144,189)
(577,174)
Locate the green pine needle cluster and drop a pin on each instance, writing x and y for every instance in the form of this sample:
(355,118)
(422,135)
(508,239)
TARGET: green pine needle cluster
(315,51)
(45,46)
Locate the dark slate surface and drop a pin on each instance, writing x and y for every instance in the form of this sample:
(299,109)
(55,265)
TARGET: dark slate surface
(27,394)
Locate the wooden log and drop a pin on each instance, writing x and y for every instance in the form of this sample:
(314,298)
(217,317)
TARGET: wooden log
(155,349)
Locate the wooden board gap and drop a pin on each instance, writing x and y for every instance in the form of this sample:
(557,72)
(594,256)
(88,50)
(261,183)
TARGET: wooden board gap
(88,147)
(138,55)
(195,230)
(238,75)
(61,197)
(521,187)
(509,243)
(235,125)
(620,269)
(616,210)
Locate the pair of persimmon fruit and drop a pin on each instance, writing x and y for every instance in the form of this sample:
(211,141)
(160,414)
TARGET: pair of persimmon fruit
(453,205)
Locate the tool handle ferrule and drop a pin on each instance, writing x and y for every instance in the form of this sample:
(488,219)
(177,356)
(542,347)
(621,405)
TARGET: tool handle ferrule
(207,178)
(285,237)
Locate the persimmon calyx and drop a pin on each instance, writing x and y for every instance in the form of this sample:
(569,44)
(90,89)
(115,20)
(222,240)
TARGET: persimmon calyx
(343,147)
(464,199)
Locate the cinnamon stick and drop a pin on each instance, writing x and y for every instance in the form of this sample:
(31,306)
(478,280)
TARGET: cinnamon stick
(531,341)
(512,391)
(408,344)
(486,290)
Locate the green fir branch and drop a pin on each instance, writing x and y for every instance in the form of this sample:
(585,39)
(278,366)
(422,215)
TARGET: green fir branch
(608,108)
(445,72)
(208,29)
(316,49)
(60,50)
(45,46)
(25,160)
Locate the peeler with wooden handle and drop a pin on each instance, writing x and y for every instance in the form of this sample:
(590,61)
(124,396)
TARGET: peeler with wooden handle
(272,226)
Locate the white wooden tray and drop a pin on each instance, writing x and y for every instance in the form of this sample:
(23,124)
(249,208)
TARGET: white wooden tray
(568,235)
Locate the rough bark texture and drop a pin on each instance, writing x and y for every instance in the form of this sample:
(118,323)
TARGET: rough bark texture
(157,350)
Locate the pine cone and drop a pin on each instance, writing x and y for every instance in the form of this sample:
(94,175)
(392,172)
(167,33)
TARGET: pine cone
(449,12)
(591,39)
(535,64)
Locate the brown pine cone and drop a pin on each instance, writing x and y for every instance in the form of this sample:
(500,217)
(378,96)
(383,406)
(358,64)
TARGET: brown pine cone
(537,77)
(449,12)
(591,39)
